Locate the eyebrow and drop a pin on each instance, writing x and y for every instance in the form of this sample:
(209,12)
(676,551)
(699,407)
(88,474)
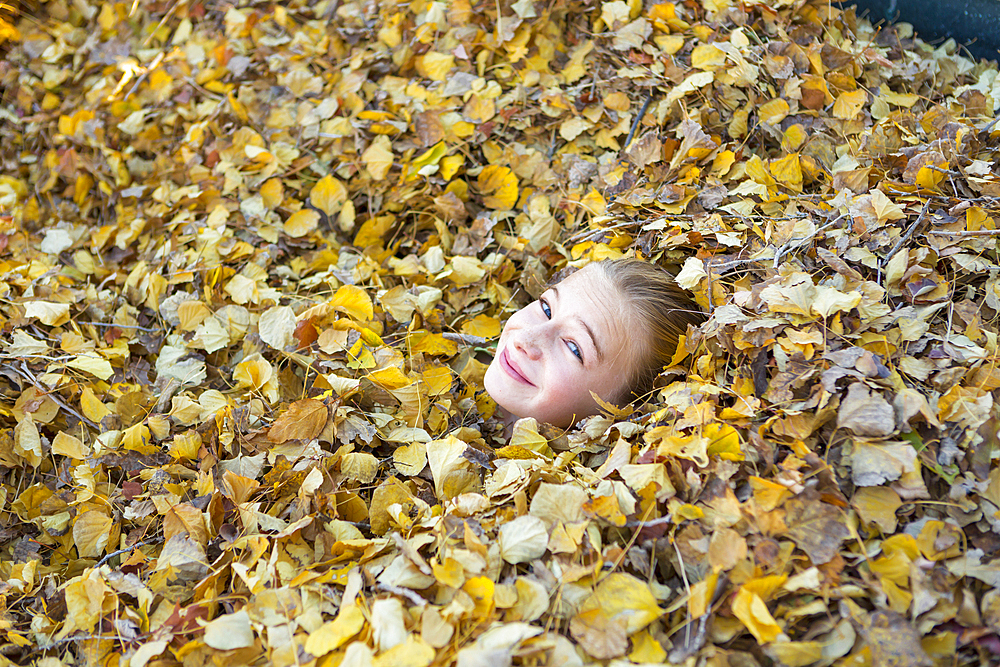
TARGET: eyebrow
(590,332)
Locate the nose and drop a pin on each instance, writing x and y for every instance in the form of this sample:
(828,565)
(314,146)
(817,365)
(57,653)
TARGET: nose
(527,344)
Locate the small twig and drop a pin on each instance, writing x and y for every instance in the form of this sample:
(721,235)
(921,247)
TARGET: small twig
(154,540)
(121,326)
(792,244)
(981,232)
(708,274)
(142,77)
(648,524)
(588,235)
(466,339)
(638,119)
(722,267)
(990,126)
(56,398)
(403,592)
(906,236)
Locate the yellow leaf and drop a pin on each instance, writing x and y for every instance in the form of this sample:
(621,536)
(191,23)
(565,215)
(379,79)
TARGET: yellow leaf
(751,610)
(425,164)
(84,601)
(192,313)
(137,439)
(27,442)
(229,631)
(373,230)
(773,112)
(434,344)
(413,652)
(93,364)
(49,313)
(450,165)
(646,650)
(301,223)
(359,467)
(328,195)
(793,137)
(253,372)
(724,441)
(378,157)
(691,447)
(617,101)
(594,202)
(434,65)
(332,635)
(885,208)
(390,378)
(450,572)
(410,459)
(354,302)
(499,187)
(930,176)
(91,531)
(796,654)
(466,270)
(709,57)
(273,193)
(788,172)
(849,104)
(69,445)
(622,597)
(481,590)
(8,32)
(438,380)
(483,326)
(186,445)
(767,494)
(93,408)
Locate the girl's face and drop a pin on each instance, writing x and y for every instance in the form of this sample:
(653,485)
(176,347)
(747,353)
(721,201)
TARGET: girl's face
(552,353)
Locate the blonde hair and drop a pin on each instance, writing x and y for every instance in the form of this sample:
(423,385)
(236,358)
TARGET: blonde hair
(662,306)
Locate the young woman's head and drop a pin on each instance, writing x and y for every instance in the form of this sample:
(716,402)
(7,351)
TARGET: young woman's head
(609,328)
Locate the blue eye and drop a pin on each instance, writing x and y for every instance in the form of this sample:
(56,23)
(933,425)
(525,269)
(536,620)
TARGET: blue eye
(575,349)
(545,309)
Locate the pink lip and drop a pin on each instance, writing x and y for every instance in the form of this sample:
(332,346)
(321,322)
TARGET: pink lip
(512,370)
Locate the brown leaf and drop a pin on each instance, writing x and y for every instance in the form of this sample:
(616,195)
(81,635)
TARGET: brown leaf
(603,639)
(815,527)
(304,420)
(866,413)
(893,641)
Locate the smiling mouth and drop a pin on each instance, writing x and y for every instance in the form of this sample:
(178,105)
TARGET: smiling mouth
(512,370)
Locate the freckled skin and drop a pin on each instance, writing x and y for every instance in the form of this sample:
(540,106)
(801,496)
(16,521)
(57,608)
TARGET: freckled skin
(536,371)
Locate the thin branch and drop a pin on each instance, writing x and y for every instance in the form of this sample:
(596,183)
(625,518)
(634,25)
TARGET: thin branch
(981,232)
(792,244)
(648,524)
(56,398)
(466,339)
(403,592)
(154,540)
(906,236)
(121,326)
(638,119)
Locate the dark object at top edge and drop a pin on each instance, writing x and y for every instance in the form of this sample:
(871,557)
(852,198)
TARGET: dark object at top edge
(975,24)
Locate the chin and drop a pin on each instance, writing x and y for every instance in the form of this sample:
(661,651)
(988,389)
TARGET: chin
(493,383)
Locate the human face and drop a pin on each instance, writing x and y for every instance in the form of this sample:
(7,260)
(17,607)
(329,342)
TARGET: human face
(555,351)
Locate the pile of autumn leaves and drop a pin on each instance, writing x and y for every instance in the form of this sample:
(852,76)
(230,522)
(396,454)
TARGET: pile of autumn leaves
(237,427)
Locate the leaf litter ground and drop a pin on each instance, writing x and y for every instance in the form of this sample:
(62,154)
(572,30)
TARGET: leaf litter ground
(252,257)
